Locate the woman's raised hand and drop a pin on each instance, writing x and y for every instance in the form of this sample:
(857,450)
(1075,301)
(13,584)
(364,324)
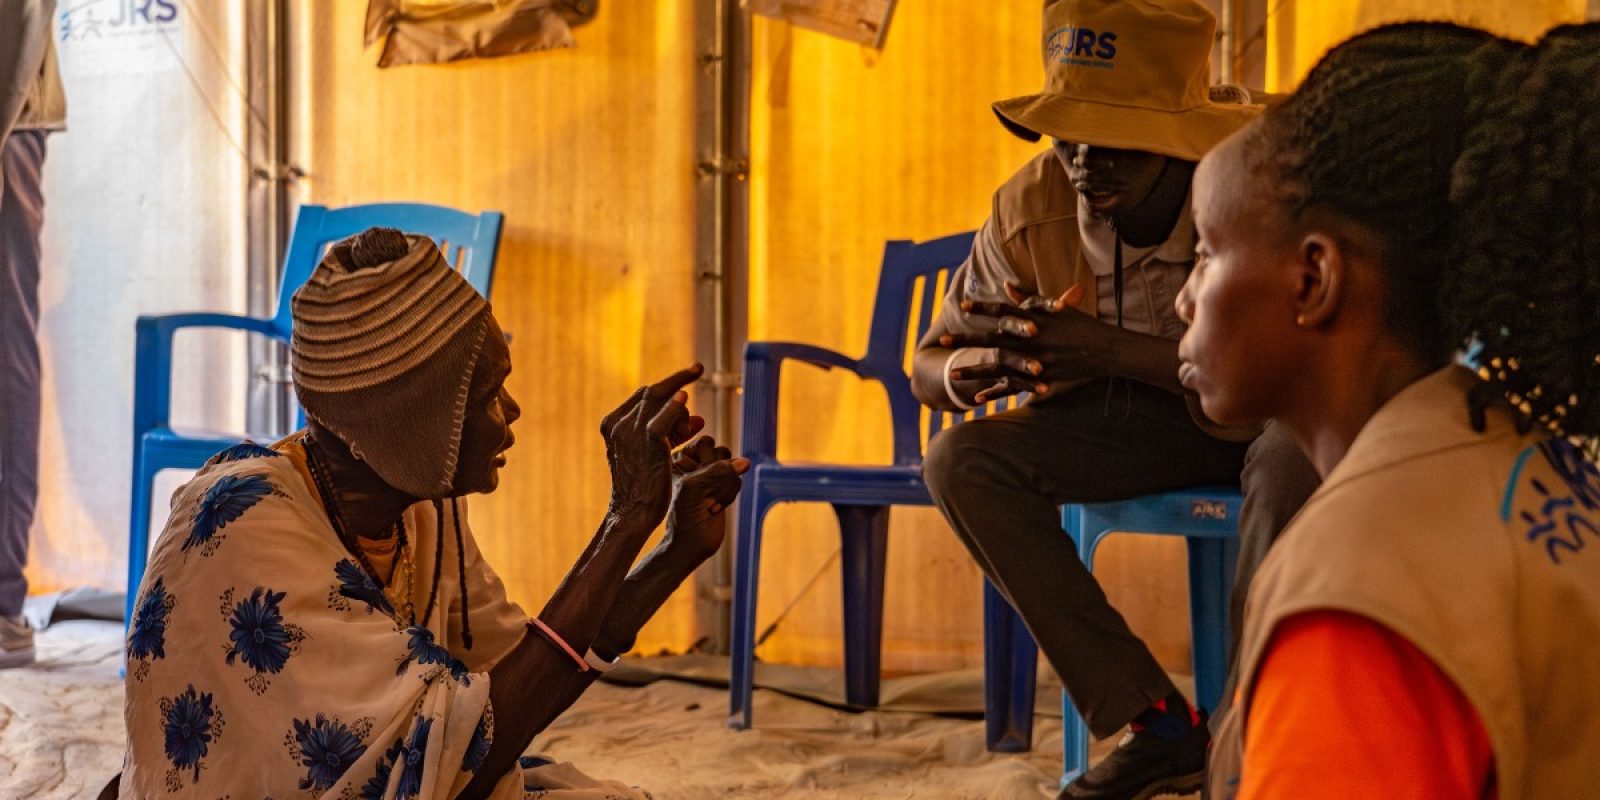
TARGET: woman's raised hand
(640,435)
(705,482)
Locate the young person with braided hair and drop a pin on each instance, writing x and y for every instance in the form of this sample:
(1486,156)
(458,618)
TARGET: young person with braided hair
(1429,625)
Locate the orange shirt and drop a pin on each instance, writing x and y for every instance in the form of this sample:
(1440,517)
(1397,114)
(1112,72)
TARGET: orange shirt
(1344,707)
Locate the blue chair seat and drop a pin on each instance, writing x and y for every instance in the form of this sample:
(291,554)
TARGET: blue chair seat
(845,485)
(166,437)
(182,436)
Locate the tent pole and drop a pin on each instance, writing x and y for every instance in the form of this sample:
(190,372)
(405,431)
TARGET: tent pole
(722,231)
(1227,36)
(267,207)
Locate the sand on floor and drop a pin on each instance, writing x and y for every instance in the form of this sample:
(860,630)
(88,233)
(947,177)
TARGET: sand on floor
(61,736)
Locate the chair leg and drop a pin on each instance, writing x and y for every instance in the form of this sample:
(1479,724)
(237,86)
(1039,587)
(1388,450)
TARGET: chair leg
(1210,567)
(1086,530)
(746,578)
(1074,742)
(138,529)
(865,531)
(1010,667)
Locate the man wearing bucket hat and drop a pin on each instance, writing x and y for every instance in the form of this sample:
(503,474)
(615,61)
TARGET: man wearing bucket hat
(1068,295)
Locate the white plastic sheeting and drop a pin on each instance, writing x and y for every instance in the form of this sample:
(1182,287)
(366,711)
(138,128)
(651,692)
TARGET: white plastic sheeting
(144,214)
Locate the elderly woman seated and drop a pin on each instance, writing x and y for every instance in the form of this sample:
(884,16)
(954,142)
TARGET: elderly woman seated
(317,620)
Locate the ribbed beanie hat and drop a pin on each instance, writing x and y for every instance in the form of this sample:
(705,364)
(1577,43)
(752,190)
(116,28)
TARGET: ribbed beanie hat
(386,337)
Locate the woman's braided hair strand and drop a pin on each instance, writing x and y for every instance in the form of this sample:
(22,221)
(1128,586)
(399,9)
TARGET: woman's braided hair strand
(1526,284)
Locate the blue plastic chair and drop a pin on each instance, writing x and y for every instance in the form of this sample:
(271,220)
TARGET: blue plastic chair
(471,243)
(1209,519)
(910,290)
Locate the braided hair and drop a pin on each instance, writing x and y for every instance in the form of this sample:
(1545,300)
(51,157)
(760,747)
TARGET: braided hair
(1476,161)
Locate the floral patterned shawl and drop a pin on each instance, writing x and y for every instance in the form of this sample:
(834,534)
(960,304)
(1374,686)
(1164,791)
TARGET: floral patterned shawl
(263,661)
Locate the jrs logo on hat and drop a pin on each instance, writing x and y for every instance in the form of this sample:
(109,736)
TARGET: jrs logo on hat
(1127,74)
(1078,46)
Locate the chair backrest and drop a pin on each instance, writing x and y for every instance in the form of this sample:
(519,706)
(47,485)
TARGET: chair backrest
(911,290)
(470,242)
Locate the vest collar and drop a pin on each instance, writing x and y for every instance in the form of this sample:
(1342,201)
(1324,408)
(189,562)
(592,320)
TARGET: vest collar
(1429,416)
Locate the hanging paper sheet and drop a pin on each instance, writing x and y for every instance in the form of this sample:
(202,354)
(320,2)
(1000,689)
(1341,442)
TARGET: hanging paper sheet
(863,21)
(436,31)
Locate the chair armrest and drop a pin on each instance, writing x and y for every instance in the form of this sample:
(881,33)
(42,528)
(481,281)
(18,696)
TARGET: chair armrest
(152,364)
(763,363)
(774,352)
(167,324)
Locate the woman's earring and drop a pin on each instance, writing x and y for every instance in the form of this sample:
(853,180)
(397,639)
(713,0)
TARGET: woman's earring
(1300,319)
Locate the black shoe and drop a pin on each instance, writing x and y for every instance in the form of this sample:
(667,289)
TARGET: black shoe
(1145,766)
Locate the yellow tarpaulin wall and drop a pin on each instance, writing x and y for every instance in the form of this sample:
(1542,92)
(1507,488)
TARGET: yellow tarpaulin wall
(590,154)
(1300,32)
(852,147)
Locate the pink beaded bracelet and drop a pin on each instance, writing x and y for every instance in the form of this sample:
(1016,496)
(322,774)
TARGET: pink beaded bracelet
(555,639)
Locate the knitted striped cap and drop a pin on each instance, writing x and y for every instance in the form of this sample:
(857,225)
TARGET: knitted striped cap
(386,338)
(358,327)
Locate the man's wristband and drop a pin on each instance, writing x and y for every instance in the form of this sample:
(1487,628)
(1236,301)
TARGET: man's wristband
(949,387)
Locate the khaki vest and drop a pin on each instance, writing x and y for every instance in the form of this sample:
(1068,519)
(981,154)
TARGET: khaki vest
(44,104)
(1483,551)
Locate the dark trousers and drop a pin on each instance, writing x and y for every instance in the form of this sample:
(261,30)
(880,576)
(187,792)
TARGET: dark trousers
(999,481)
(21,219)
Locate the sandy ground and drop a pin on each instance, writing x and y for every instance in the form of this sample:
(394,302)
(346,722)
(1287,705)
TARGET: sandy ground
(61,732)
(61,736)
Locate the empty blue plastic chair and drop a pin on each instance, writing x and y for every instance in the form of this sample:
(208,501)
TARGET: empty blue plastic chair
(910,290)
(1209,519)
(470,242)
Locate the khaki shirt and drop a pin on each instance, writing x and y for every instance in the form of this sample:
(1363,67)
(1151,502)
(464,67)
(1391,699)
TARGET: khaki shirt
(1038,237)
(1483,551)
(1152,276)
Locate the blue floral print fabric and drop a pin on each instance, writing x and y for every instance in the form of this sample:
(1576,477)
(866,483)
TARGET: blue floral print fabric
(263,661)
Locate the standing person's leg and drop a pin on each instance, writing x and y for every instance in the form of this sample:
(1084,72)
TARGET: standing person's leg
(1276,481)
(21,219)
(1000,480)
